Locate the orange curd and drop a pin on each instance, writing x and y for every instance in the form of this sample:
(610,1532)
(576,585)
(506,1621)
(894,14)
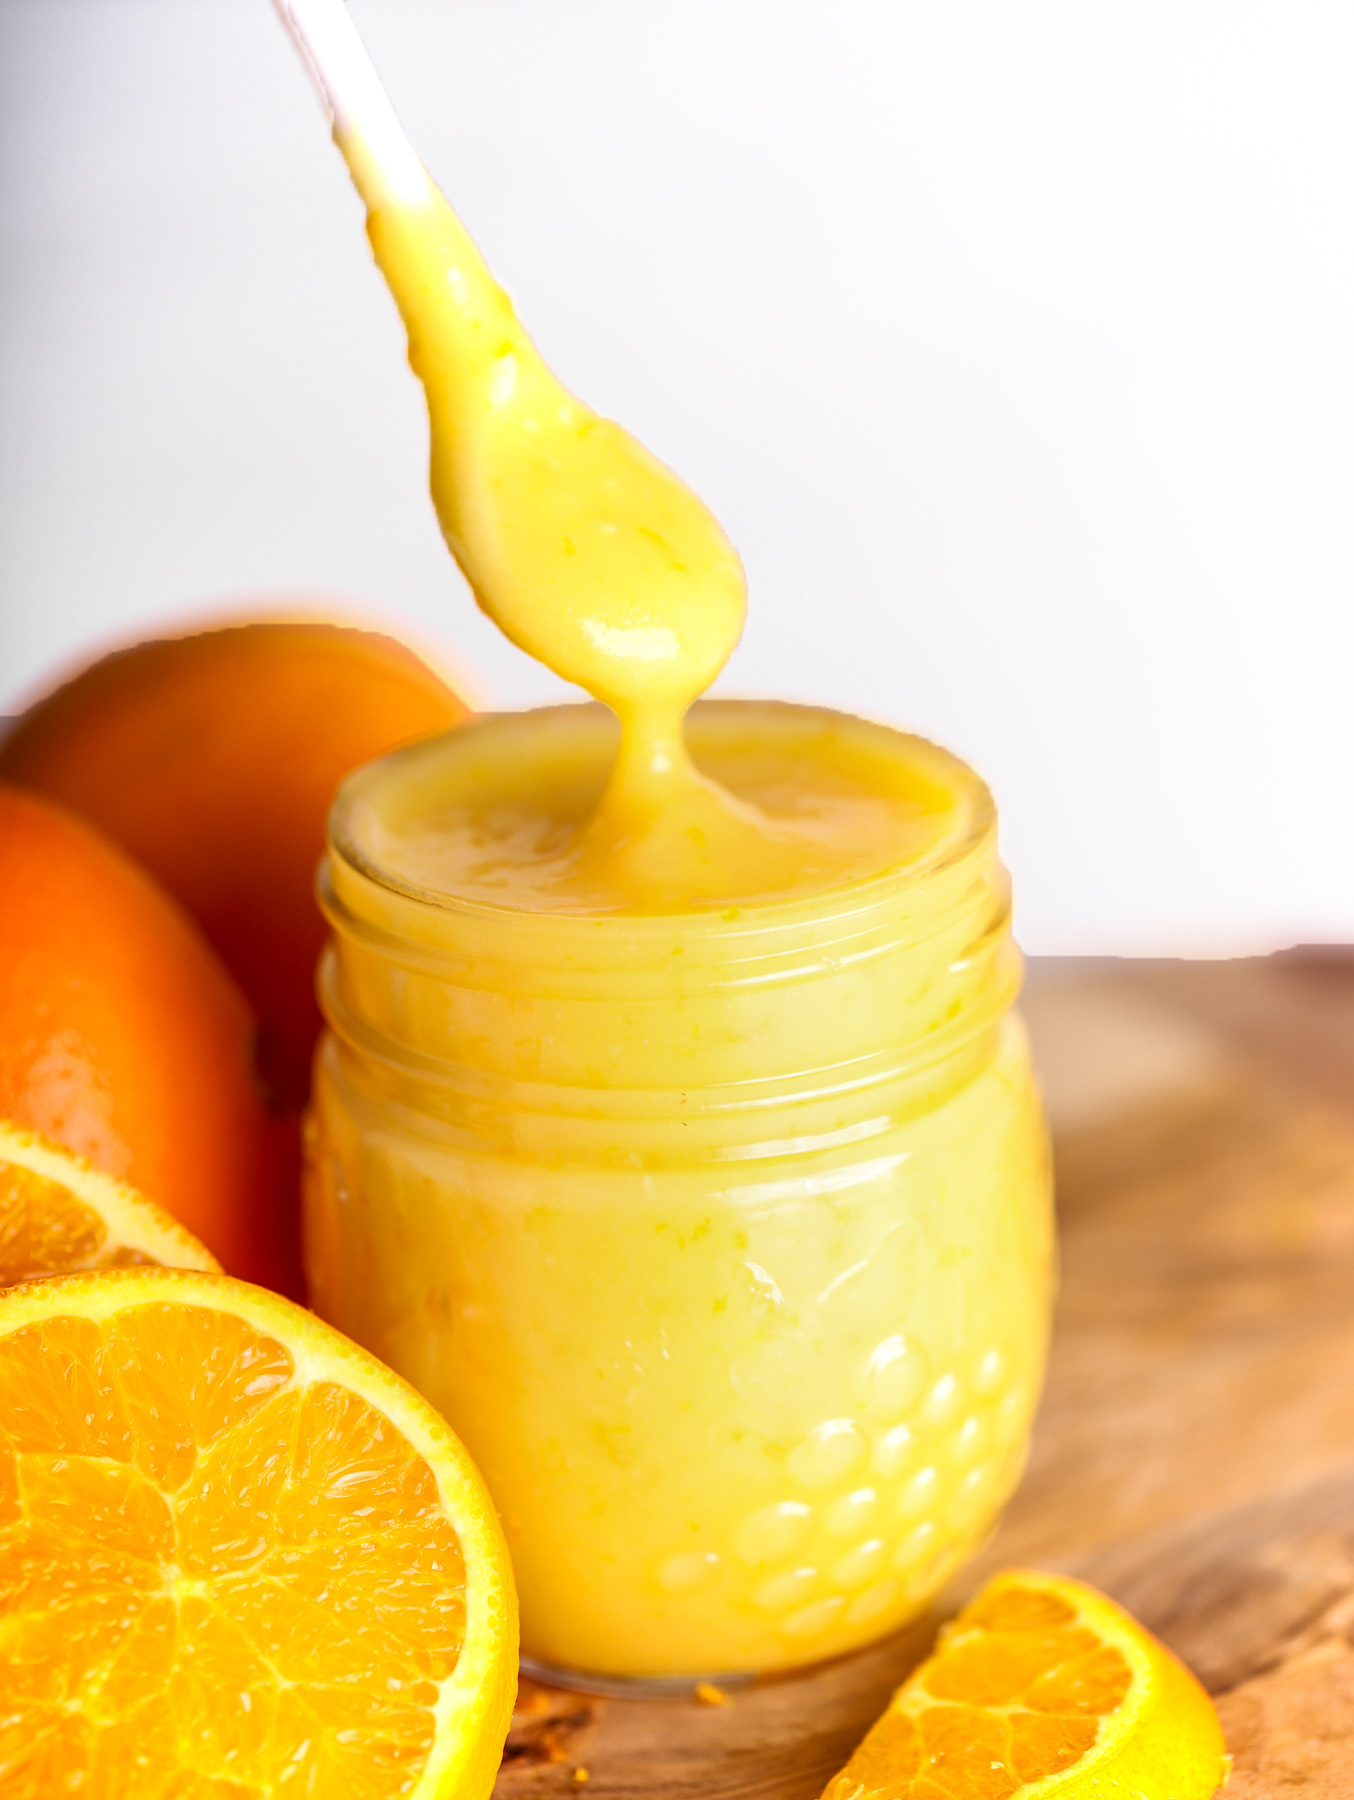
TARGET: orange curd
(721,1235)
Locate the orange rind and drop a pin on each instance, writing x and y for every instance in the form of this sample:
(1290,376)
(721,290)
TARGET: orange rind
(123,1038)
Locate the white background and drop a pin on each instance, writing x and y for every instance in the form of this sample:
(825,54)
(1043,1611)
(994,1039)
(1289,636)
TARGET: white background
(1012,340)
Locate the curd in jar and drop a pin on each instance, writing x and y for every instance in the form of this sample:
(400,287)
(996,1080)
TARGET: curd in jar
(721,1236)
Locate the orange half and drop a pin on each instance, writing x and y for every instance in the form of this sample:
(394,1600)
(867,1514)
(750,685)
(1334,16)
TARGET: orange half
(1042,1689)
(239,1557)
(58,1213)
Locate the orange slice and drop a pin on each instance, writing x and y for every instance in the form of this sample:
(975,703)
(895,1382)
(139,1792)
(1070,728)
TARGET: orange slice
(1042,1689)
(239,1557)
(59,1213)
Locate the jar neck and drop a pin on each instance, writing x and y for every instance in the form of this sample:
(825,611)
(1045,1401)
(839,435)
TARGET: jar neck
(855,1002)
(747,1017)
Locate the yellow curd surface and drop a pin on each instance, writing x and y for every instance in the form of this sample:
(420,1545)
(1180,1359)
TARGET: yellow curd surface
(721,1236)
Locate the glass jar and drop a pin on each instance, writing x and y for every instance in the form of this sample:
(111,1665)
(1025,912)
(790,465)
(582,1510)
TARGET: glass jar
(723,1239)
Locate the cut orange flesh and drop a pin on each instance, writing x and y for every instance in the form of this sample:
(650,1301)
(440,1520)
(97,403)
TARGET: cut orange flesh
(1042,1688)
(58,1213)
(239,1557)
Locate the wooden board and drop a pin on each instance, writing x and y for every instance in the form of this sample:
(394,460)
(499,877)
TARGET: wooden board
(1195,1451)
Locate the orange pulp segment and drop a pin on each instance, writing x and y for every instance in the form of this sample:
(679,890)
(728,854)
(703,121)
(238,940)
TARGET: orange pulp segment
(238,1557)
(1042,1687)
(58,1213)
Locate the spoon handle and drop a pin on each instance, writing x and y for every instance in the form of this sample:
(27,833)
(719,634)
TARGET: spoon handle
(350,88)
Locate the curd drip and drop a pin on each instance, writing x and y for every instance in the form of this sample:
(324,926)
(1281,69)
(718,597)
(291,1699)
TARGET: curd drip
(592,556)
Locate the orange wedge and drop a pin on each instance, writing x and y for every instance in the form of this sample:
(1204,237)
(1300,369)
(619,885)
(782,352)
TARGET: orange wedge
(1042,1689)
(58,1213)
(239,1557)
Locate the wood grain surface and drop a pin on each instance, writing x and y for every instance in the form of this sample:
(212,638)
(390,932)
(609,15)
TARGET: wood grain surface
(1194,1455)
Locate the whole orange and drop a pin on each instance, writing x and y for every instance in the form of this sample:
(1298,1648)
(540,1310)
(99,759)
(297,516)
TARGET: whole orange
(123,1038)
(212,758)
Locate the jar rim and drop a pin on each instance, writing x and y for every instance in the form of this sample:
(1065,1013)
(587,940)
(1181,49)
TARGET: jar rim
(967,833)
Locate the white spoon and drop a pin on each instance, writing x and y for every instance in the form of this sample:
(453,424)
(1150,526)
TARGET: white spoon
(350,88)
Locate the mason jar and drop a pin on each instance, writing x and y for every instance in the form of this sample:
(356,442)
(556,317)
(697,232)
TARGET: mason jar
(722,1237)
